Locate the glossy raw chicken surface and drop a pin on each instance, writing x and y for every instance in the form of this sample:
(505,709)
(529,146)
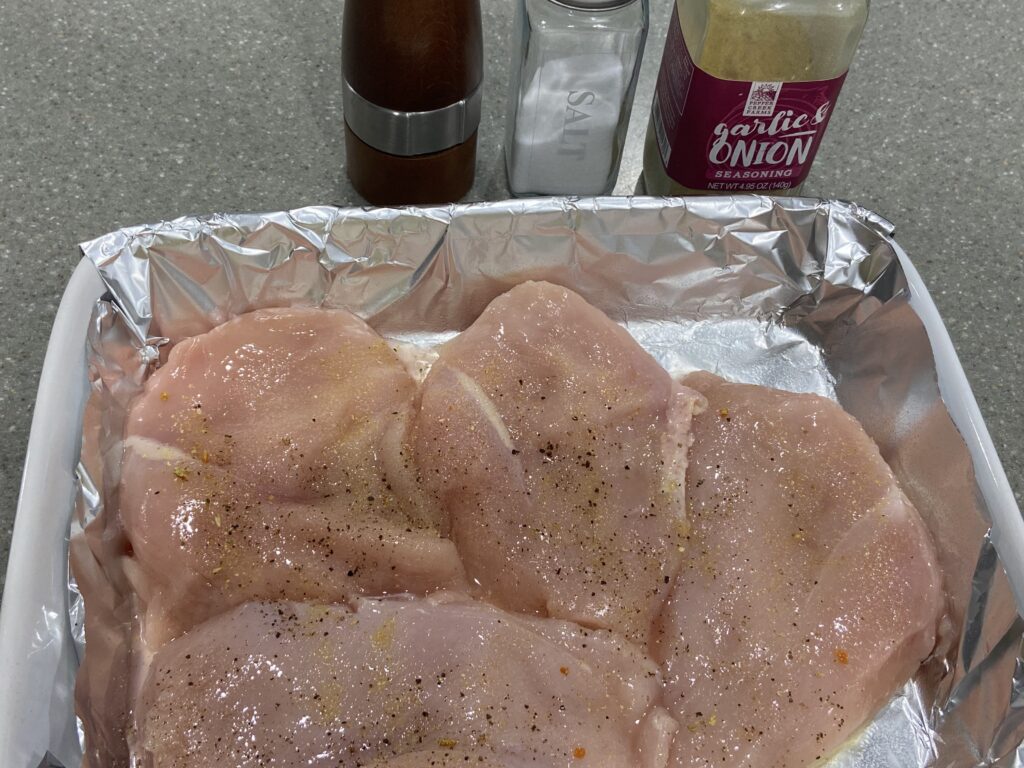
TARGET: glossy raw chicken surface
(284,398)
(557,447)
(267,459)
(424,682)
(809,591)
(591,589)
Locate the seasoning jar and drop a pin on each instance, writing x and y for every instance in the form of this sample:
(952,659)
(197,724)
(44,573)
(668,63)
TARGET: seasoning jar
(572,79)
(745,92)
(413,72)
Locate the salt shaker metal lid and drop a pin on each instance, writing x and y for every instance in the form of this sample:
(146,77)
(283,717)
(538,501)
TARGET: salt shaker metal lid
(594,5)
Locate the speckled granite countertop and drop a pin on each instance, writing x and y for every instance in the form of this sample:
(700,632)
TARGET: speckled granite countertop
(118,112)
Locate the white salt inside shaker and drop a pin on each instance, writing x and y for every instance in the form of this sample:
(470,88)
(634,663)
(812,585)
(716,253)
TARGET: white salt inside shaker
(574,72)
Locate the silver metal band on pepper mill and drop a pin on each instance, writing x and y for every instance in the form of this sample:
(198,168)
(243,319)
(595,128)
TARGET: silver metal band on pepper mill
(412,133)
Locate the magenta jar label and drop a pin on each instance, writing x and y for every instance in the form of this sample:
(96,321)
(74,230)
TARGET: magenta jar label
(733,135)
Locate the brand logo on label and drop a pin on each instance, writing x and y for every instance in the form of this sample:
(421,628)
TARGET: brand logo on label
(761,99)
(575,131)
(777,144)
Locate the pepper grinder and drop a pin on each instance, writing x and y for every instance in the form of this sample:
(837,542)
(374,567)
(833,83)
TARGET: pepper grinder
(413,72)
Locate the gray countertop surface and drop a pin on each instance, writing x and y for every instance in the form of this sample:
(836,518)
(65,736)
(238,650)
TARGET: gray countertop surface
(119,112)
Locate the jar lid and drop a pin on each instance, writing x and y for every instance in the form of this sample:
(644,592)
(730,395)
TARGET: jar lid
(593,5)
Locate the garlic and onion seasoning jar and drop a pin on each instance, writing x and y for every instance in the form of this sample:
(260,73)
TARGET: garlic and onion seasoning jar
(745,92)
(572,79)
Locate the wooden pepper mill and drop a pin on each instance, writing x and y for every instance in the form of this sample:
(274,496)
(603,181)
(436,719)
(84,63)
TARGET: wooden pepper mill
(413,72)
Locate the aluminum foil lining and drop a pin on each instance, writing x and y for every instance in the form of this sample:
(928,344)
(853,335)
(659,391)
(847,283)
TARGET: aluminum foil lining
(800,294)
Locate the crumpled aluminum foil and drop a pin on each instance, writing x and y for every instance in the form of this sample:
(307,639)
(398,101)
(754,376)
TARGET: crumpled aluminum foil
(799,294)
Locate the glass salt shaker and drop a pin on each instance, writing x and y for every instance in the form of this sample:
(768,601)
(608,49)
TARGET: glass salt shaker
(572,79)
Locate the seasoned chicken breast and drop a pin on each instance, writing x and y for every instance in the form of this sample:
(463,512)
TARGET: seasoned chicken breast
(556,447)
(268,459)
(414,682)
(809,592)
(549,554)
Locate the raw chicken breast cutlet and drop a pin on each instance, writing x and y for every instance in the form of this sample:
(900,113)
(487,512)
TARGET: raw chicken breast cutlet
(809,592)
(268,460)
(420,682)
(556,447)
(337,567)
